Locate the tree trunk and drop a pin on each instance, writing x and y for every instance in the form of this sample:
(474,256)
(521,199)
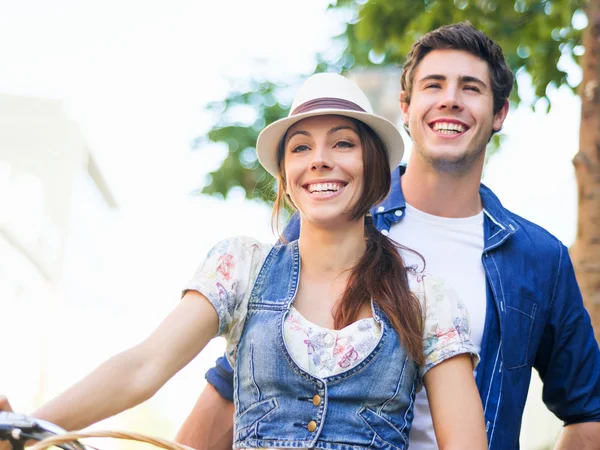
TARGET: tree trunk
(586,249)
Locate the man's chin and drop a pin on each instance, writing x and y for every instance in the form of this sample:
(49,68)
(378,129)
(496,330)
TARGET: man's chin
(453,161)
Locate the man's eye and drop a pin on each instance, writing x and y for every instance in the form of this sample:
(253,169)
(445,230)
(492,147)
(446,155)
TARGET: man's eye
(433,85)
(472,88)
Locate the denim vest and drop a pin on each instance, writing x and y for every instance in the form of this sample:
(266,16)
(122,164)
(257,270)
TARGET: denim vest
(279,405)
(535,318)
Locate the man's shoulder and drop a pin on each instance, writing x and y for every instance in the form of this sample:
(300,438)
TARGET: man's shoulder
(525,235)
(533,231)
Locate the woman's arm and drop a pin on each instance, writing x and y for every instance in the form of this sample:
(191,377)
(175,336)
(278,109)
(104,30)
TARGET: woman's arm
(134,375)
(455,405)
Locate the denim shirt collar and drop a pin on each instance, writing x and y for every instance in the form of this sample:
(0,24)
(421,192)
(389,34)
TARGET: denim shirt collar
(499,225)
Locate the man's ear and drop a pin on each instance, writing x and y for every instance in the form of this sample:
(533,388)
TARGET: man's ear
(500,116)
(404,107)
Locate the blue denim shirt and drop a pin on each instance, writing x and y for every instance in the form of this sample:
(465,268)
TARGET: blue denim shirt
(280,405)
(535,319)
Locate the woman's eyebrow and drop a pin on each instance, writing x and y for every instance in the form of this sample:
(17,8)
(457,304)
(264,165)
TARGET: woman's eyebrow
(294,133)
(330,132)
(341,127)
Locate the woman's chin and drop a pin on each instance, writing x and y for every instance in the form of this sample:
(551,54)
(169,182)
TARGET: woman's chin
(333,222)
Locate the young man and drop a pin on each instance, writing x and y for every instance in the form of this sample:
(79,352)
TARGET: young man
(516,279)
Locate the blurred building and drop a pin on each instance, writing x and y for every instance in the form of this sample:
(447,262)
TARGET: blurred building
(382,86)
(43,156)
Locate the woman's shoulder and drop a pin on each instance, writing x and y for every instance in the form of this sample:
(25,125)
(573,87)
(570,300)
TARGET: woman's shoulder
(240,245)
(435,294)
(424,283)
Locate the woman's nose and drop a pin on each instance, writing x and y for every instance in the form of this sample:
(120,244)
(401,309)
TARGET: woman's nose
(321,159)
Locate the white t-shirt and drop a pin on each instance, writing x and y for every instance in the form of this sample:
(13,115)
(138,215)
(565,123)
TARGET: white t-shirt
(452,250)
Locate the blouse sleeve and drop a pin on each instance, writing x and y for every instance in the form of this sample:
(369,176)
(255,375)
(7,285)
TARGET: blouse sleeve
(226,278)
(446,328)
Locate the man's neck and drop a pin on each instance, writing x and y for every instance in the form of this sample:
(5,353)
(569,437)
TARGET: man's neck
(440,193)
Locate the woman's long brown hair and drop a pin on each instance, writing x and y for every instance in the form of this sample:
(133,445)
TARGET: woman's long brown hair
(380,274)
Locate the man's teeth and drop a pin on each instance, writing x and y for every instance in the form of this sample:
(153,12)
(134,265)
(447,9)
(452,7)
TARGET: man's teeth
(448,128)
(324,187)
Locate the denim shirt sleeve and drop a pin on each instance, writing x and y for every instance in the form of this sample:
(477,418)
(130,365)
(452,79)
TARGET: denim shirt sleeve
(292,229)
(568,357)
(221,378)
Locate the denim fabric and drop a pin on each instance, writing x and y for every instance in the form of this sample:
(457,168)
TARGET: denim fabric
(274,396)
(221,377)
(535,319)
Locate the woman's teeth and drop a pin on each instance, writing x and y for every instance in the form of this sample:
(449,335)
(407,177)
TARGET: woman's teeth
(324,187)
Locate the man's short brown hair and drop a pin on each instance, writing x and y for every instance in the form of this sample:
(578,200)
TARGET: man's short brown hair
(461,36)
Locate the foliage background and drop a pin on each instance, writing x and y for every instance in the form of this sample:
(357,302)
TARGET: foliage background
(541,39)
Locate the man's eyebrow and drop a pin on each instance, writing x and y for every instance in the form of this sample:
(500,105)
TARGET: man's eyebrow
(462,79)
(433,77)
(471,79)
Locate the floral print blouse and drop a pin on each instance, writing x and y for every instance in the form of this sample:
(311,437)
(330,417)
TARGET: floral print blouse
(227,276)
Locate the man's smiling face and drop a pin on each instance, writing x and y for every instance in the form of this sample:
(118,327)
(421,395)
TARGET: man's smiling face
(450,115)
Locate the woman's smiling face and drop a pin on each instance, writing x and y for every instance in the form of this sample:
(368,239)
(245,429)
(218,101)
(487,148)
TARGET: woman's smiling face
(324,169)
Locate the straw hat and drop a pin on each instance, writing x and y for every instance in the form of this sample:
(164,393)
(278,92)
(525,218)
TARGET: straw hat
(328,93)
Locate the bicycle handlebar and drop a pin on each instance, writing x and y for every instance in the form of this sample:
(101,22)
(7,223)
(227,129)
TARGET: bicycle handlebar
(18,428)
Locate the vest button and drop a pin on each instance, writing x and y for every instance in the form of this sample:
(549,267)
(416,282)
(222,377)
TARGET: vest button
(317,400)
(312,426)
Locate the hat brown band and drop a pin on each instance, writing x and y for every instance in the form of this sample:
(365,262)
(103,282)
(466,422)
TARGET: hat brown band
(326,103)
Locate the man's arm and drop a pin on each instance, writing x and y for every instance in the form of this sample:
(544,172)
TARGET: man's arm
(210,424)
(568,361)
(579,436)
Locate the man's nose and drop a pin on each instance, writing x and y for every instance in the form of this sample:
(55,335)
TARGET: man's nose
(451,100)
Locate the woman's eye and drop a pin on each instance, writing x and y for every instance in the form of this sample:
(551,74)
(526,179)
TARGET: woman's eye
(345,144)
(433,85)
(299,148)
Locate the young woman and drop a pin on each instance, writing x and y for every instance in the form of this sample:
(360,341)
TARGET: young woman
(329,336)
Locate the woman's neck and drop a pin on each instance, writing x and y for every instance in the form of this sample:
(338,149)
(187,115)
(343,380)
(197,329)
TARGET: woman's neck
(328,253)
